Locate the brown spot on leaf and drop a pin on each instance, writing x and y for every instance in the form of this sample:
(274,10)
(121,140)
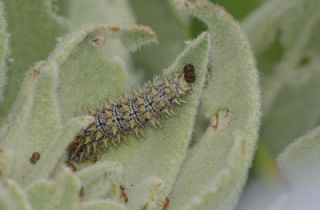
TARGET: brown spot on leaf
(166,203)
(123,194)
(81,193)
(221,119)
(34,158)
(114,29)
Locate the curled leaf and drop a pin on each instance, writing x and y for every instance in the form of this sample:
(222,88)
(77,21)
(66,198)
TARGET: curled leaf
(59,194)
(101,180)
(33,29)
(299,163)
(12,197)
(85,75)
(216,167)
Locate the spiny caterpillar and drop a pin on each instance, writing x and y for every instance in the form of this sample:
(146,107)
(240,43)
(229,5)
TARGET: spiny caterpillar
(114,121)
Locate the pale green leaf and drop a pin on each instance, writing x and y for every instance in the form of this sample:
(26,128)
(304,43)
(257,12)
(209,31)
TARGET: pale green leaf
(101,180)
(55,149)
(105,12)
(101,205)
(33,29)
(147,195)
(299,162)
(5,162)
(100,11)
(171,29)
(4,51)
(161,152)
(216,167)
(62,193)
(294,28)
(12,197)
(35,127)
(21,108)
(86,76)
(36,118)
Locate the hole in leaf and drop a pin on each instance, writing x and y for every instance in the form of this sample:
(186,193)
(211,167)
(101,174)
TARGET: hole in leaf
(221,119)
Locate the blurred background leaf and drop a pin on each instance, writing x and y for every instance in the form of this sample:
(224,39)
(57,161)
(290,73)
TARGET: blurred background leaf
(171,29)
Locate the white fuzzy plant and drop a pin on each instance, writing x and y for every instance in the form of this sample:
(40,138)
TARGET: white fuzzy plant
(43,112)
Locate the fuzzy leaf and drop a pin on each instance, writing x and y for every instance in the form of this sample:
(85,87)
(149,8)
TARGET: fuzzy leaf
(4,51)
(5,162)
(171,29)
(83,67)
(105,12)
(101,205)
(150,194)
(59,194)
(300,164)
(12,197)
(36,120)
(35,126)
(21,108)
(55,149)
(101,180)
(165,148)
(100,11)
(215,169)
(292,32)
(33,29)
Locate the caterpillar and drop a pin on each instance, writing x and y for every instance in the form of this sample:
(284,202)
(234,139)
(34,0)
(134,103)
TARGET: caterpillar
(114,121)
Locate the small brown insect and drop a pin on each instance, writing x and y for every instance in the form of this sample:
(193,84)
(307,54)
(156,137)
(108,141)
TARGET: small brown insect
(166,203)
(70,165)
(189,73)
(34,158)
(123,194)
(81,192)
